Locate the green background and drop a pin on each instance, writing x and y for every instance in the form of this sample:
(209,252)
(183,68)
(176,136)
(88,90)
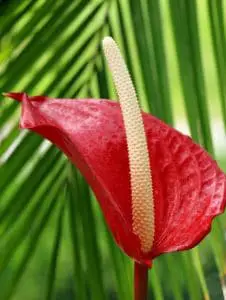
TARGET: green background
(53,240)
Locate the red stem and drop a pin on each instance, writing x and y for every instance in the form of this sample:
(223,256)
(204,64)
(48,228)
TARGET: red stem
(140,282)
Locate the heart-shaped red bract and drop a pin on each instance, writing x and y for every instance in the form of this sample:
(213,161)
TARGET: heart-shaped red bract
(188,186)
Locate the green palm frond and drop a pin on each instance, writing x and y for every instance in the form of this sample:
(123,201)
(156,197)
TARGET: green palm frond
(54,243)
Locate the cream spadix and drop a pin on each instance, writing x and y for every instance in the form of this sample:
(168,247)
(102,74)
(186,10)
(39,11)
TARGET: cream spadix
(139,161)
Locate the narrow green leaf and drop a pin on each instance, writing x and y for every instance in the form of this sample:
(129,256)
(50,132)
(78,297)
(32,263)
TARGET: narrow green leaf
(9,245)
(11,15)
(217,27)
(174,277)
(31,245)
(191,279)
(178,16)
(18,201)
(25,151)
(13,70)
(154,279)
(197,69)
(93,259)
(9,139)
(55,252)
(75,216)
(200,272)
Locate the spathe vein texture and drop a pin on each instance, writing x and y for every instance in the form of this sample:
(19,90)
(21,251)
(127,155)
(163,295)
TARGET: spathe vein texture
(188,186)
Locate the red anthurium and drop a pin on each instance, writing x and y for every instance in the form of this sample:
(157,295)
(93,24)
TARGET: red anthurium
(172,209)
(188,187)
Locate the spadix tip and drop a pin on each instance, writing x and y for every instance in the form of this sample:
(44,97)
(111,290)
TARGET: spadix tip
(108,40)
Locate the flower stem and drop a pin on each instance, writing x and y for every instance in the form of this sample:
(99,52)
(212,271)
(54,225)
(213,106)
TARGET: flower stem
(140,282)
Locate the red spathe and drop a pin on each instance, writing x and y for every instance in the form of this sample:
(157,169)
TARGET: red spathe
(189,188)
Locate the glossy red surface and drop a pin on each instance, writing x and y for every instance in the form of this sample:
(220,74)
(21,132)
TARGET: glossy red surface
(189,187)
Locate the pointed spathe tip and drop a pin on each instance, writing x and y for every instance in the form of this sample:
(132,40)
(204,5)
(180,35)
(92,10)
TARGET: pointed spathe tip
(15,96)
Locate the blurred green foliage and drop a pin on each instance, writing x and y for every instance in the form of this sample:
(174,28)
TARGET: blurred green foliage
(53,240)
